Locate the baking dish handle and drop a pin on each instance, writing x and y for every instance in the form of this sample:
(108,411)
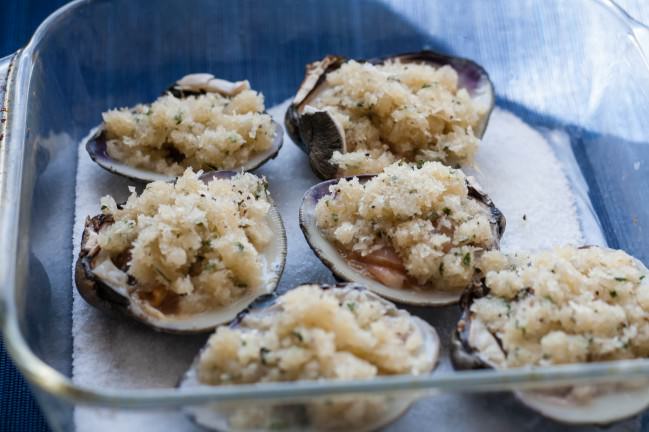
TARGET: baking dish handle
(5,68)
(5,63)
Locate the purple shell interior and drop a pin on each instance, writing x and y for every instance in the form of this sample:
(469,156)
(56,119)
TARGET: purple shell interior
(470,74)
(96,146)
(211,175)
(268,300)
(470,77)
(316,192)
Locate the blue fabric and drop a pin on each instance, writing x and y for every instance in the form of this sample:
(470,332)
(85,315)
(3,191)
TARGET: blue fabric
(18,409)
(19,19)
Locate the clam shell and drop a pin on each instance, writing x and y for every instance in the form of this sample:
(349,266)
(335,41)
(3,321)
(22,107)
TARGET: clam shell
(109,296)
(342,270)
(190,85)
(474,347)
(294,414)
(601,410)
(317,133)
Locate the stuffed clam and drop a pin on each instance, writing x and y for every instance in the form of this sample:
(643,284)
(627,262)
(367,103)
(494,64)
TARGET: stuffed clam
(184,257)
(411,234)
(201,122)
(356,117)
(562,306)
(314,332)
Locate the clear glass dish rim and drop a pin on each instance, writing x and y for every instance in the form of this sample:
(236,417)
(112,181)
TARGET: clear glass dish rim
(51,381)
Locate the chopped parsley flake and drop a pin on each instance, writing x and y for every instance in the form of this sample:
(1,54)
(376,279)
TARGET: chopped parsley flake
(162,275)
(262,354)
(278,425)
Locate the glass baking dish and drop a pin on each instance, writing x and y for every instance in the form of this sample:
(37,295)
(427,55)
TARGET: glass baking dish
(578,66)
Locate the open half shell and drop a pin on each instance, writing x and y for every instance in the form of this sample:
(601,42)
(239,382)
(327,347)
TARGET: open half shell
(473,346)
(189,85)
(300,415)
(108,287)
(318,134)
(330,255)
